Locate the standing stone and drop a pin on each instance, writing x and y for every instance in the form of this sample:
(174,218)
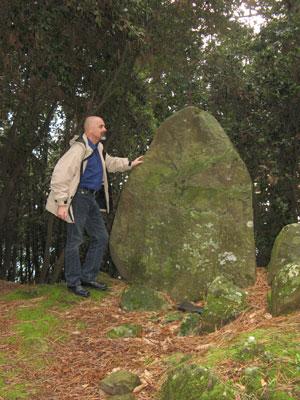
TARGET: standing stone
(285,293)
(185,215)
(286,249)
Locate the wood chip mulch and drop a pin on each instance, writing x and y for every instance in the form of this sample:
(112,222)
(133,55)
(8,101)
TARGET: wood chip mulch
(74,367)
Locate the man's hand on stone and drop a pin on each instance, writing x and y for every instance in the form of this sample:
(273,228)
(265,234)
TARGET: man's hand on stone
(137,161)
(62,212)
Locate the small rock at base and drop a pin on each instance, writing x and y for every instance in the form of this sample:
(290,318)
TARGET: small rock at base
(120,382)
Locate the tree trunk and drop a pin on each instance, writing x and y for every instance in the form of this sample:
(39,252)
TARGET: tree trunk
(7,255)
(46,264)
(58,267)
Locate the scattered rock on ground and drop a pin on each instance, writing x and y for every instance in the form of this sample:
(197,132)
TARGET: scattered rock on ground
(120,382)
(225,302)
(193,382)
(137,297)
(125,330)
(190,325)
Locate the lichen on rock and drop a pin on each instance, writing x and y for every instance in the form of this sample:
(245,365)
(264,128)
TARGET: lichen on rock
(285,292)
(194,382)
(225,301)
(286,249)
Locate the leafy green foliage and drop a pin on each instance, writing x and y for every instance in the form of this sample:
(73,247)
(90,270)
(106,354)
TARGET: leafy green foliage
(135,63)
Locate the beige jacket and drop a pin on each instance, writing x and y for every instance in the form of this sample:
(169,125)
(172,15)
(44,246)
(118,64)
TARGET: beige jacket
(66,174)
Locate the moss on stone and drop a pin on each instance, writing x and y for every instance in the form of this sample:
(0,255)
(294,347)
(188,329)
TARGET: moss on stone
(203,187)
(125,330)
(120,382)
(190,325)
(285,250)
(173,317)
(137,297)
(194,382)
(225,301)
(285,295)
(187,382)
(221,392)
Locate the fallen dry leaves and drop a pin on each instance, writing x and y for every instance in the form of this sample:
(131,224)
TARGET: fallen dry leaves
(78,364)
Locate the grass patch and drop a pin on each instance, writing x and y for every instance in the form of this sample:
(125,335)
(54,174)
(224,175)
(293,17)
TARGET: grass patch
(2,358)
(50,295)
(37,323)
(274,343)
(10,391)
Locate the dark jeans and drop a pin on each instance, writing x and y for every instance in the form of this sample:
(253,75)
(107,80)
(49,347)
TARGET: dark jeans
(87,218)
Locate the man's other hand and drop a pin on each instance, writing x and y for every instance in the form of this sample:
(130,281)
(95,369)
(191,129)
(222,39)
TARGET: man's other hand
(62,212)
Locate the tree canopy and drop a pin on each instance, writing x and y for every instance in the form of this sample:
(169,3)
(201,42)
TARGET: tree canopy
(135,63)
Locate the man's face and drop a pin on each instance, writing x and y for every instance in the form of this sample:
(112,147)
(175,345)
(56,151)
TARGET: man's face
(94,128)
(99,129)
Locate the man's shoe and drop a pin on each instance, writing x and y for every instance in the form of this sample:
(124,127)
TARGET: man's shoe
(79,290)
(95,285)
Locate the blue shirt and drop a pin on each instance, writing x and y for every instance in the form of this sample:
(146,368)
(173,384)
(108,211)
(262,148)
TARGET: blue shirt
(93,174)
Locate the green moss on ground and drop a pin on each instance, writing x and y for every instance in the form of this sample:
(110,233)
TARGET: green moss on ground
(51,295)
(173,317)
(38,323)
(269,359)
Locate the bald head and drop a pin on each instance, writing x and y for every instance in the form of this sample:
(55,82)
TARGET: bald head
(90,122)
(94,128)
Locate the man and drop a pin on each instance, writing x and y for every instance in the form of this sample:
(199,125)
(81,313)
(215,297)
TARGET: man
(78,181)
